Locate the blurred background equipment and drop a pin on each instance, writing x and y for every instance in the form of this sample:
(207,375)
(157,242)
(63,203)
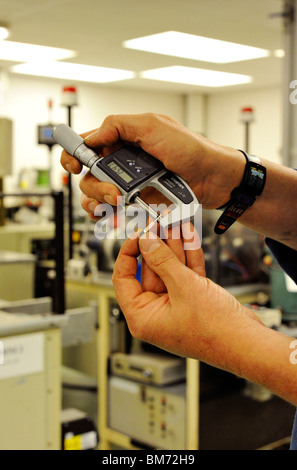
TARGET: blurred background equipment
(44,137)
(5,158)
(236,257)
(69,100)
(247,118)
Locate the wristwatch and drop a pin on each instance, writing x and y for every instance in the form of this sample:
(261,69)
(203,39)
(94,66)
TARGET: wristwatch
(244,195)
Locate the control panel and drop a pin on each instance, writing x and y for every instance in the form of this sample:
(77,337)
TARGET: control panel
(150,415)
(151,368)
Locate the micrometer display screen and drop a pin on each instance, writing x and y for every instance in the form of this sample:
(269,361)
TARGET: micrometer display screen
(121,173)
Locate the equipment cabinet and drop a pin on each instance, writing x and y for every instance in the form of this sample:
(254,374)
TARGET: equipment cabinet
(109,438)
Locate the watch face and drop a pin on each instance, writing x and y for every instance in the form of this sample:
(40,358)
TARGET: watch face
(255,179)
(257,172)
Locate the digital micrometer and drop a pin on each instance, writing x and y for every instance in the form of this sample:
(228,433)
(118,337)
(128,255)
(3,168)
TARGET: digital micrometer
(131,169)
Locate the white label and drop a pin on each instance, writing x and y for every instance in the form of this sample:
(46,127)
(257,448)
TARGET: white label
(23,355)
(89,440)
(290,284)
(85,441)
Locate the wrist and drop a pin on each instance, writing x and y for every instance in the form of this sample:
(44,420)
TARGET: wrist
(224,168)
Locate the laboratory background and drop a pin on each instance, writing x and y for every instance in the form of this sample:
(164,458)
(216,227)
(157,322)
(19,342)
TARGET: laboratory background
(71,375)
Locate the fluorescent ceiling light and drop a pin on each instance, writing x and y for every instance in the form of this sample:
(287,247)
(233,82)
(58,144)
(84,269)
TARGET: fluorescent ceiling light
(194,76)
(279,53)
(22,52)
(69,71)
(189,46)
(4,32)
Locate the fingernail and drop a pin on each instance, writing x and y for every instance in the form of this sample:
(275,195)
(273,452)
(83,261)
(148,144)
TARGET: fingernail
(136,234)
(92,206)
(90,136)
(149,242)
(109,200)
(69,168)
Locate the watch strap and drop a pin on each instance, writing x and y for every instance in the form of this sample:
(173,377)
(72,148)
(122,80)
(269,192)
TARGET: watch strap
(244,195)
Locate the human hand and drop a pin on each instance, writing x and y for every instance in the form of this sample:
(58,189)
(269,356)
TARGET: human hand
(181,240)
(200,162)
(177,308)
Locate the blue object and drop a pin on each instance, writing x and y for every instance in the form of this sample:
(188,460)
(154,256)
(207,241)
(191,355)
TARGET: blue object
(138,272)
(287,259)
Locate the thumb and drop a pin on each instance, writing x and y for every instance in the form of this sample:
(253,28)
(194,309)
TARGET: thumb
(161,259)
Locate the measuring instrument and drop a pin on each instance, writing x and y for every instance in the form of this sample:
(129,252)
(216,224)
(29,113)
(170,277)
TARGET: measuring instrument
(131,169)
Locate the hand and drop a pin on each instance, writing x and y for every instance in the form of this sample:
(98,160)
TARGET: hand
(177,308)
(177,238)
(200,162)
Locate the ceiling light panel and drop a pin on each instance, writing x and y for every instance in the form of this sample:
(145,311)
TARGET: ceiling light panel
(189,46)
(70,71)
(195,76)
(22,52)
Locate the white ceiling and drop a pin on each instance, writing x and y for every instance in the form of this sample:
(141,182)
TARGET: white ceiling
(97,28)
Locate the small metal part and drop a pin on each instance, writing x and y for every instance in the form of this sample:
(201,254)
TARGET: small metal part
(149,210)
(156,217)
(150,226)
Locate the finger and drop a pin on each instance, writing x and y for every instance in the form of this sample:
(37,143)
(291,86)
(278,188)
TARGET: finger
(194,254)
(174,240)
(162,260)
(150,280)
(70,164)
(196,261)
(114,129)
(126,286)
(102,192)
(89,205)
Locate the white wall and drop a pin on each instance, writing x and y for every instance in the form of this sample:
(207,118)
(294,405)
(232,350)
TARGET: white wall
(25,101)
(224,126)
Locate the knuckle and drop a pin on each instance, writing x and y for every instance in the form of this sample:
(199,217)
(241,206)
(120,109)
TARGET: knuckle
(86,182)
(109,119)
(152,119)
(162,259)
(82,183)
